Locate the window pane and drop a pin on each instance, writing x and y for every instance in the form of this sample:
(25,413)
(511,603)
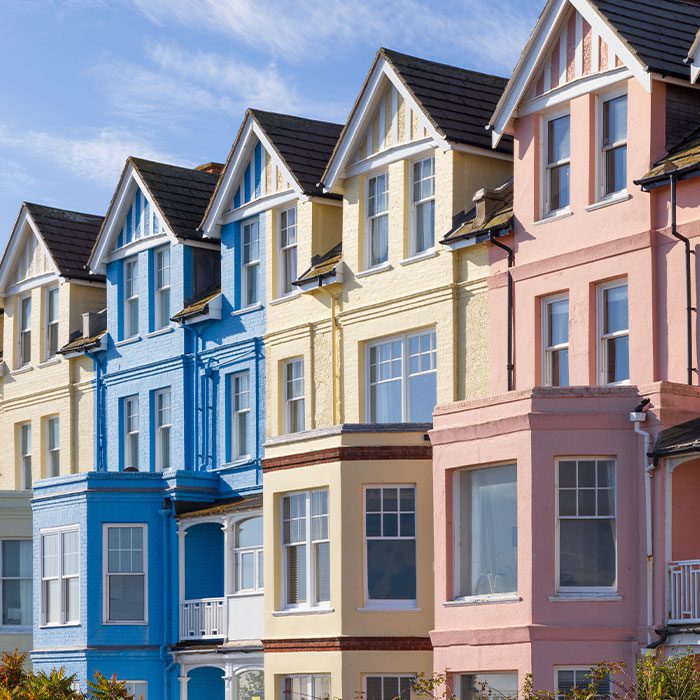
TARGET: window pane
(247,563)
(296,574)
(323,572)
(17,602)
(617,356)
(50,555)
(70,553)
(422,397)
(558,321)
(52,597)
(488,685)
(249,533)
(615,169)
(425,226)
(615,120)
(251,686)
(560,367)
(126,597)
(72,602)
(558,139)
(391,569)
(587,553)
(559,187)
(615,309)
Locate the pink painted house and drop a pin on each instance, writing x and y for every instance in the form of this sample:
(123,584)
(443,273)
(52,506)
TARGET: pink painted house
(567,506)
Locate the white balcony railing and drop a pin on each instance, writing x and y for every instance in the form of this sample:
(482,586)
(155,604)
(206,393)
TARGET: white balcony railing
(683,581)
(203,619)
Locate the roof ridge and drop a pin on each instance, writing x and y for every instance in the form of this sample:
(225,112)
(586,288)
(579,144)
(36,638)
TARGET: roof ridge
(193,169)
(63,210)
(254,111)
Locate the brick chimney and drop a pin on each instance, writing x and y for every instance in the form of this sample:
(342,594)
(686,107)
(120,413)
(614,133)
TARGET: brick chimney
(211,168)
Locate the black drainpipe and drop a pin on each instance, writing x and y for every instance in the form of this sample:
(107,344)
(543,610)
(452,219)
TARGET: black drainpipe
(511,261)
(688,288)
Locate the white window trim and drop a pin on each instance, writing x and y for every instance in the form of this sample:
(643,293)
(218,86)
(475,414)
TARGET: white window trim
(256,550)
(47,430)
(158,429)
(397,603)
(161,323)
(404,338)
(547,349)
(368,219)
(601,353)
(311,604)
(574,667)
(313,677)
(545,211)
(48,323)
(9,628)
(576,591)
(253,263)
(63,621)
(410,676)
(412,223)
(286,422)
(22,331)
(236,454)
(129,332)
(600,180)
(282,250)
(24,452)
(106,574)
(126,434)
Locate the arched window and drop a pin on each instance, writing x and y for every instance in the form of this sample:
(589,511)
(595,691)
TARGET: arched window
(248,555)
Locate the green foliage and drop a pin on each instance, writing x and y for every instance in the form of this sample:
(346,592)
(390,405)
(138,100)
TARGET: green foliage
(674,678)
(52,686)
(103,688)
(13,670)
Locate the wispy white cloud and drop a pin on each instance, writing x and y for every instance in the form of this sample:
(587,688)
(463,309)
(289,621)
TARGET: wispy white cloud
(14,179)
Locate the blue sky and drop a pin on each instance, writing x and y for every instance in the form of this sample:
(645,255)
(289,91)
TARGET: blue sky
(85,83)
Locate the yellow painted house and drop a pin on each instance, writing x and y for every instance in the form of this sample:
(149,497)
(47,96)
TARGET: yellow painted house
(381,323)
(46,408)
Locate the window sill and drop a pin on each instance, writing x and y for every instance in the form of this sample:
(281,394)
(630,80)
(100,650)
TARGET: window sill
(48,363)
(128,341)
(238,462)
(15,629)
(125,623)
(584,597)
(425,255)
(247,309)
(609,201)
(160,331)
(389,608)
(246,594)
(22,370)
(59,625)
(487,599)
(302,611)
(383,267)
(286,297)
(556,216)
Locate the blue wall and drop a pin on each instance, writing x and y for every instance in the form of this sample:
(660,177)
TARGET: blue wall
(204,561)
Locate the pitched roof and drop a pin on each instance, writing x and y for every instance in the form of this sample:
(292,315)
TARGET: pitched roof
(69,237)
(659,32)
(684,437)
(237,505)
(181,194)
(459,102)
(197,306)
(80,344)
(683,160)
(321,266)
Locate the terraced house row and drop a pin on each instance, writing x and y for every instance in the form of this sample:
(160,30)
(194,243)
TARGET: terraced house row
(413,394)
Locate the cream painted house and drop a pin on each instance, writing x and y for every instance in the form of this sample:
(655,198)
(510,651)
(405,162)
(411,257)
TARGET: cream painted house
(46,411)
(383,323)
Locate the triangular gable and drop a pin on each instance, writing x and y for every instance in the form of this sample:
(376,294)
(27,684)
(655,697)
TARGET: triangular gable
(133,216)
(254,172)
(385,115)
(26,255)
(571,41)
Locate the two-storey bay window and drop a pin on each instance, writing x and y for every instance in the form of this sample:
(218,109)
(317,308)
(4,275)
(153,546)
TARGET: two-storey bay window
(586,524)
(486,531)
(60,576)
(161,274)
(377,220)
(477,686)
(25,455)
(248,556)
(130,432)
(583,679)
(316,687)
(288,250)
(51,324)
(130,316)
(614,145)
(390,545)
(557,152)
(53,447)
(293,388)
(25,331)
(163,423)
(402,379)
(388,687)
(16,582)
(613,333)
(555,320)
(423,205)
(125,566)
(240,415)
(250,243)
(306,549)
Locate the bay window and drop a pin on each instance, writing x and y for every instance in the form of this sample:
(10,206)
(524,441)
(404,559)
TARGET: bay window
(613,333)
(306,687)
(557,153)
(614,145)
(251,263)
(388,687)
(555,318)
(125,566)
(60,576)
(288,250)
(423,205)
(16,582)
(248,556)
(377,240)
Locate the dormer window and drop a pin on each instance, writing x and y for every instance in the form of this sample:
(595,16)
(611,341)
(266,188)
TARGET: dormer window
(131,298)
(614,145)
(557,164)
(423,203)
(377,240)
(25,331)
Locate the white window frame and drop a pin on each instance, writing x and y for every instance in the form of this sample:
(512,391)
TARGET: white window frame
(576,669)
(51,324)
(546,166)
(56,449)
(602,149)
(405,394)
(601,338)
(313,679)
(584,590)
(3,578)
(252,265)
(24,335)
(548,350)
(286,288)
(311,602)
(258,570)
(129,435)
(457,681)
(413,223)
(288,399)
(129,300)
(25,453)
(409,676)
(238,411)
(106,574)
(384,603)
(161,283)
(62,577)
(370,219)
(162,427)
(139,689)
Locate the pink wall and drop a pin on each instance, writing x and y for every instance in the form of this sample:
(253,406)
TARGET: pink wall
(685,543)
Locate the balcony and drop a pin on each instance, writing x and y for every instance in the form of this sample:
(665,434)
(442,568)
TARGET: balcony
(203,619)
(683,592)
